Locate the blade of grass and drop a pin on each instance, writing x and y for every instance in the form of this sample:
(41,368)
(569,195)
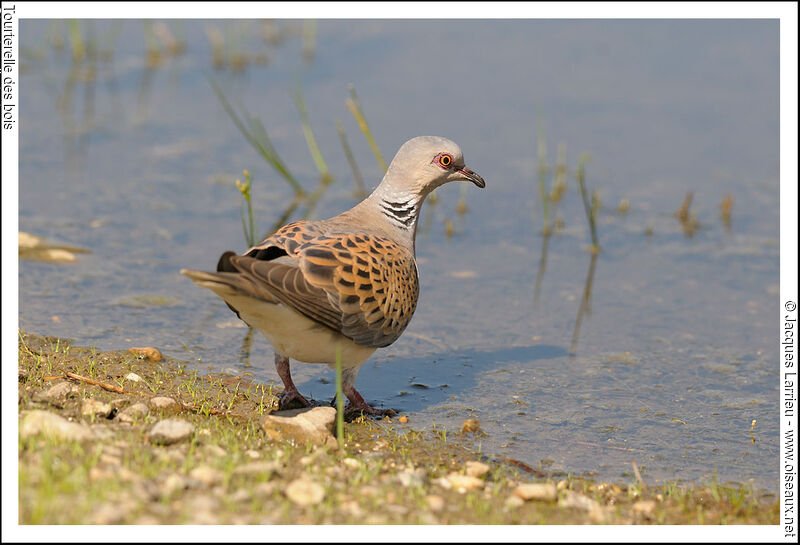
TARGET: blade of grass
(590,208)
(311,140)
(541,146)
(248,227)
(257,136)
(359,180)
(354,105)
(339,399)
(309,38)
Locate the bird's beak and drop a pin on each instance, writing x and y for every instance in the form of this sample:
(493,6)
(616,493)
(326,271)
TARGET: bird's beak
(471,176)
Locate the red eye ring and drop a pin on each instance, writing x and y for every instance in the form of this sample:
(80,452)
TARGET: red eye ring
(446,160)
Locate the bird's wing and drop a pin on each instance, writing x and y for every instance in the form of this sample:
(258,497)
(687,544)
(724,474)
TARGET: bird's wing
(364,286)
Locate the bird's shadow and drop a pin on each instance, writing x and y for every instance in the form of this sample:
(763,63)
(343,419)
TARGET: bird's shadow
(413,384)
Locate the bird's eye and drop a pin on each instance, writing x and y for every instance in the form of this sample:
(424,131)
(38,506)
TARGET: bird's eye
(446,160)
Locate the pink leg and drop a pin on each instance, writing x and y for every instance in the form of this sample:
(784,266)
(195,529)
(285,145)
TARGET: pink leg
(357,403)
(290,398)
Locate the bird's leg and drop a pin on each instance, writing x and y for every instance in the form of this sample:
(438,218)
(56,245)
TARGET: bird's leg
(290,398)
(357,403)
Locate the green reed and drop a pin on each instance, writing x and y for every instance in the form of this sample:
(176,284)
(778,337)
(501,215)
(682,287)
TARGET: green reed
(361,192)
(254,132)
(591,207)
(339,399)
(313,147)
(354,105)
(249,226)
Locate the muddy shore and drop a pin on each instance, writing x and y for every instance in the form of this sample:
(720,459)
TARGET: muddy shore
(132,437)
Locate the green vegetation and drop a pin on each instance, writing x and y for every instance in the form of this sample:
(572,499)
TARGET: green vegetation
(230,471)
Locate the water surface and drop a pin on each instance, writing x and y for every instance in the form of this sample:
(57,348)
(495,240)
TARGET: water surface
(677,355)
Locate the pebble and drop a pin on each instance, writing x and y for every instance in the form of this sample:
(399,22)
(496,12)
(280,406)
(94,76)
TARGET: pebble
(239,496)
(165,405)
(206,475)
(352,463)
(133,377)
(436,503)
(476,469)
(579,501)
(214,451)
(252,454)
(514,501)
(94,407)
(313,425)
(536,491)
(471,425)
(305,492)
(108,514)
(408,478)
(257,468)
(463,483)
(53,426)
(58,393)
(133,413)
(148,352)
(170,431)
(264,489)
(645,508)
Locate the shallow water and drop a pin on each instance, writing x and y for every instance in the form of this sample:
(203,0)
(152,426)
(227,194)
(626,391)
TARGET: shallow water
(677,355)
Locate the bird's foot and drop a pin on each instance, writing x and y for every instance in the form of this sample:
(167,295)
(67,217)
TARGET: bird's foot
(292,399)
(352,412)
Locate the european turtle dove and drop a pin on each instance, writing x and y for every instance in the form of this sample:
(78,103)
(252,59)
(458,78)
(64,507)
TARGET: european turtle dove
(349,281)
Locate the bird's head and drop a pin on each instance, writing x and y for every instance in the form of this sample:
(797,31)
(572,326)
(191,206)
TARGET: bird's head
(424,163)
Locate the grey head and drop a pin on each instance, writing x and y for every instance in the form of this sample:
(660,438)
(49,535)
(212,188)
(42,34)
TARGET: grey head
(421,165)
(424,163)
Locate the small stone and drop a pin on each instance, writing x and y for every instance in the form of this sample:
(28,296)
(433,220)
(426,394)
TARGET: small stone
(313,425)
(463,483)
(98,474)
(174,483)
(512,502)
(215,451)
(256,468)
(206,475)
(352,463)
(53,426)
(165,405)
(108,514)
(148,352)
(562,484)
(436,503)
(110,459)
(305,492)
(352,508)
(133,413)
(471,425)
(476,469)
(264,489)
(240,496)
(403,419)
(133,377)
(120,402)
(94,407)
(645,508)
(444,483)
(408,478)
(102,432)
(170,431)
(570,499)
(252,454)
(58,393)
(536,491)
